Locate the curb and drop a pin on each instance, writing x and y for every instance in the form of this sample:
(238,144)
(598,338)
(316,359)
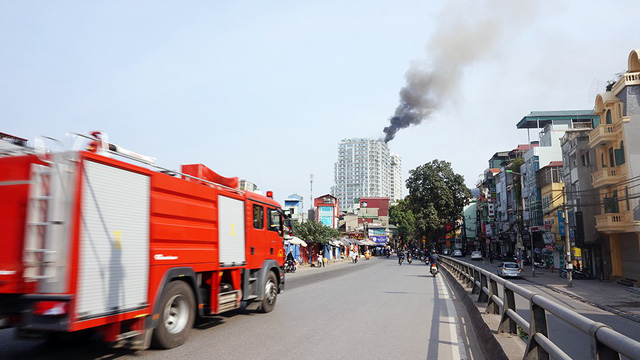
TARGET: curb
(492,349)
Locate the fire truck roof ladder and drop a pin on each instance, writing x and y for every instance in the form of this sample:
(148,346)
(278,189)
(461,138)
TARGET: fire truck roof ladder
(44,213)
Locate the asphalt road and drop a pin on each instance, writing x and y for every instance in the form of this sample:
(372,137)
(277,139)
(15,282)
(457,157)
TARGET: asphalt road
(374,309)
(570,340)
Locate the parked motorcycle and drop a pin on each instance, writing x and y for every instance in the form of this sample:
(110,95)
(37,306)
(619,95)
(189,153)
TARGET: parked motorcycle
(409,259)
(577,274)
(433,270)
(584,273)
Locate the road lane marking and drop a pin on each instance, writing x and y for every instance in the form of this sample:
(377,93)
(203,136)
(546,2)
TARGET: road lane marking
(457,351)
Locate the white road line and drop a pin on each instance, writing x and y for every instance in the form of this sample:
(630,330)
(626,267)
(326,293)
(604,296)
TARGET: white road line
(457,348)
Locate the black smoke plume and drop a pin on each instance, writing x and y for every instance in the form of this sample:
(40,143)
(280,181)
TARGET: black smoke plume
(466,33)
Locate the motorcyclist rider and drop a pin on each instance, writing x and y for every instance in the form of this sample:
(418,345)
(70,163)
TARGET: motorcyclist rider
(434,258)
(400,254)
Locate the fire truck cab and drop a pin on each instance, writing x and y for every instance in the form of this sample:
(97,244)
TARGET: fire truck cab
(128,249)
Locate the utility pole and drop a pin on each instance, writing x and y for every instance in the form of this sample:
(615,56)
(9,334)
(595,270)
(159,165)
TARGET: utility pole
(567,241)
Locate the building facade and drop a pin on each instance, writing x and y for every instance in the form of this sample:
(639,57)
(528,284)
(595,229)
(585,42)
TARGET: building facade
(326,209)
(365,168)
(614,140)
(395,192)
(294,203)
(580,197)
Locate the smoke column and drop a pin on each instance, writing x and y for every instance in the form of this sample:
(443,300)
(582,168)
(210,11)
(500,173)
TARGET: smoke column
(467,32)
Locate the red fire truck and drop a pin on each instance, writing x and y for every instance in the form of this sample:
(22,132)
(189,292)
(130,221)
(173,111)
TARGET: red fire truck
(119,246)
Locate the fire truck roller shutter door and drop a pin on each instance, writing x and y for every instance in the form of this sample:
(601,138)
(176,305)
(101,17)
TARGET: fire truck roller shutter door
(113,265)
(231,231)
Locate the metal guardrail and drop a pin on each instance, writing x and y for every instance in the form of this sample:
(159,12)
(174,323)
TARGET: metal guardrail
(605,342)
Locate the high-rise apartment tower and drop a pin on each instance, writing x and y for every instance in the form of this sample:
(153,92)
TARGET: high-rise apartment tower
(366,168)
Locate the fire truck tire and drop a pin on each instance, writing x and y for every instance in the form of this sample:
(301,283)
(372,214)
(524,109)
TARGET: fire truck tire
(270,293)
(177,314)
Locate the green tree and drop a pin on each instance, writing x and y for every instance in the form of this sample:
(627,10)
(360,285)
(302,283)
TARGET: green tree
(315,233)
(403,218)
(437,195)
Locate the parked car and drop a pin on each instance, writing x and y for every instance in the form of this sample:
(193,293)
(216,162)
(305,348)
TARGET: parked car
(509,269)
(446,252)
(457,253)
(476,255)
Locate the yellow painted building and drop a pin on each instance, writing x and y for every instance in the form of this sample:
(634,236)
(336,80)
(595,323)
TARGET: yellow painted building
(614,140)
(549,179)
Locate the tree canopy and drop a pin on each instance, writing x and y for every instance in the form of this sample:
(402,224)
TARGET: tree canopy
(314,232)
(403,218)
(437,196)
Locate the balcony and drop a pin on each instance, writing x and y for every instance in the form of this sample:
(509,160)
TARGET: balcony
(603,134)
(607,176)
(615,222)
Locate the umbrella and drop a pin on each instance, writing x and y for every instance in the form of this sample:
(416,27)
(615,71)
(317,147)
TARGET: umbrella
(297,241)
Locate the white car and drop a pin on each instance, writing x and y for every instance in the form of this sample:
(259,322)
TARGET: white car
(509,269)
(476,255)
(457,253)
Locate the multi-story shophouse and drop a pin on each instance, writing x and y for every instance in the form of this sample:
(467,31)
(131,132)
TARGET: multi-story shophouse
(614,140)
(508,209)
(551,184)
(294,203)
(550,126)
(580,199)
(470,241)
(485,211)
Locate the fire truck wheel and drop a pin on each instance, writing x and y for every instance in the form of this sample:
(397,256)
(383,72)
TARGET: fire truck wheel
(177,314)
(270,293)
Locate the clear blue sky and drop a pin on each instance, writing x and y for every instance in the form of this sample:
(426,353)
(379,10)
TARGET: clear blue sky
(265,90)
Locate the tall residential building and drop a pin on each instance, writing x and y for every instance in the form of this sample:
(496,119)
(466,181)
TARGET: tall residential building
(364,169)
(396,178)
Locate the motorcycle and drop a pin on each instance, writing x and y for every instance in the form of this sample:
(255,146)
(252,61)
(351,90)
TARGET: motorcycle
(433,270)
(354,258)
(367,255)
(400,258)
(409,259)
(576,274)
(290,266)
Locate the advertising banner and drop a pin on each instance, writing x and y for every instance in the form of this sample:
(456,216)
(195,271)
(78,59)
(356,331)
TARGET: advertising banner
(560,223)
(378,239)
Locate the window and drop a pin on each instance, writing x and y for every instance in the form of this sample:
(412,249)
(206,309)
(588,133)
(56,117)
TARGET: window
(275,220)
(611,203)
(586,159)
(612,161)
(619,154)
(258,217)
(608,117)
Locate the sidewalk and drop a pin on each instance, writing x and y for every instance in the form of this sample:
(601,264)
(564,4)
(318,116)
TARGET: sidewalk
(606,295)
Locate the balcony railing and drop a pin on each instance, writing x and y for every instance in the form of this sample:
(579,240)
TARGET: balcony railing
(627,79)
(606,176)
(603,134)
(614,222)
